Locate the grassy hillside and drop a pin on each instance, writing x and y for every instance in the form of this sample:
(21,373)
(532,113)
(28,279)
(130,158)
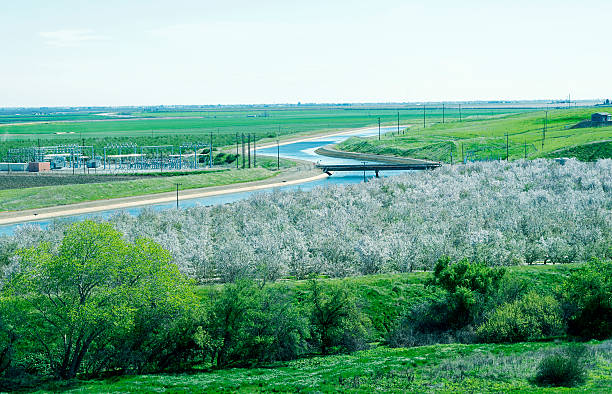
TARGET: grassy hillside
(443,368)
(486,139)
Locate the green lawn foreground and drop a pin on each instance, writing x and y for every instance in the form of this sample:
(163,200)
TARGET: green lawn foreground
(48,196)
(437,368)
(486,139)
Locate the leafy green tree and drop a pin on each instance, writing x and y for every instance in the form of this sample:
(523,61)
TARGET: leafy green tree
(7,338)
(248,323)
(588,300)
(89,292)
(335,321)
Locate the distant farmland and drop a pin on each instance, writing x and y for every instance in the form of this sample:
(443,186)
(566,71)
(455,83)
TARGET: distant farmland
(175,127)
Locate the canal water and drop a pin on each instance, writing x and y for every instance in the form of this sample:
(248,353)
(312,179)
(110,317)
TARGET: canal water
(298,150)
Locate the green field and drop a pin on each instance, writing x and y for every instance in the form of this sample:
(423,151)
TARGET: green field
(48,196)
(486,139)
(440,368)
(150,128)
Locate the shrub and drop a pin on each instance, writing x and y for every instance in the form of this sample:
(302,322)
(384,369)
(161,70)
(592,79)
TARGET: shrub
(531,317)
(562,368)
(469,287)
(588,300)
(466,289)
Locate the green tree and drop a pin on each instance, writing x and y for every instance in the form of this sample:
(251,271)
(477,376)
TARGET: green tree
(248,323)
(588,300)
(335,320)
(90,291)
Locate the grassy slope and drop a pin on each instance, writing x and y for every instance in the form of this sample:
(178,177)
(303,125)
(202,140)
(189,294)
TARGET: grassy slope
(483,139)
(477,368)
(47,196)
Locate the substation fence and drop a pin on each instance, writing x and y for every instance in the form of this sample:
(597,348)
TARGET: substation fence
(125,157)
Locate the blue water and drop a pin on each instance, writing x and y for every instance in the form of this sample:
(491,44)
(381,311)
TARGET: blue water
(297,150)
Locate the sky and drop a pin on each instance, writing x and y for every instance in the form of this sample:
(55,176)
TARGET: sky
(199,52)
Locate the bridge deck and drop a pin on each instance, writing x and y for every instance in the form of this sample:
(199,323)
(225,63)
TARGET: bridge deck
(376,167)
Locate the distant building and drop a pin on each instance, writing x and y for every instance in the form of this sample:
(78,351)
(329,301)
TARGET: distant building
(601,117)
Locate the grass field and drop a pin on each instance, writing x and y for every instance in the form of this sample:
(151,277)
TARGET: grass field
(48,196)
(176,127)
(486,138)
(440,368)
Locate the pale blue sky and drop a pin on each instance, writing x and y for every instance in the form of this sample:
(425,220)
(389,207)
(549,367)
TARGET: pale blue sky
(110,52)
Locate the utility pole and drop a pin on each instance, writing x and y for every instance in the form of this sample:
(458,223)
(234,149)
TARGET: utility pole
(212,162)
(398,128)
(459,112)
(379,128)
(177,198)
(544,129)
(277,153)
(243,153)
(525,148)
(249,149)
(237,153)
(443,112)
(451,154)
(423,115)
(82,157)
(254,152)
(507,151)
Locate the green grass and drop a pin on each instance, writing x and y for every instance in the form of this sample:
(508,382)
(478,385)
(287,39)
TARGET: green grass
(485,139)
(440,368)
(48,196)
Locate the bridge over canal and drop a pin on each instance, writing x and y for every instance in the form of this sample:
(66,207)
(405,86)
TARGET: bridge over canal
(329,169)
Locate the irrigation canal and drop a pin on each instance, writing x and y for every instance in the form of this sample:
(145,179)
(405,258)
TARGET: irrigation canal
(304,150)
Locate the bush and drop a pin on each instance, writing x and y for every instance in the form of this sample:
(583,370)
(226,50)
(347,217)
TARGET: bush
(466,289)
(423,324)
(588,300)
(562,368)
(469,287)
(531,317)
